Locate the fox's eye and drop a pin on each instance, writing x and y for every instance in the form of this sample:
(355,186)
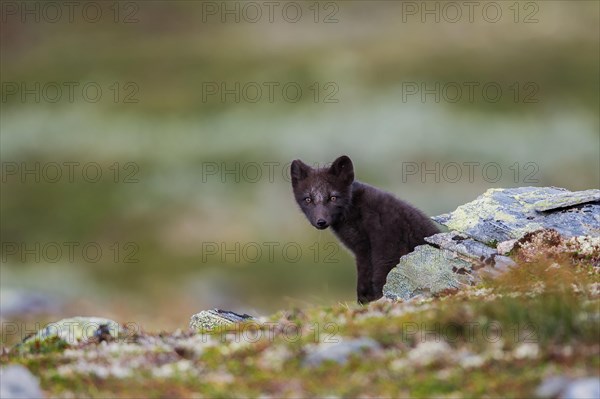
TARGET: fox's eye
(332,198)
(307,200)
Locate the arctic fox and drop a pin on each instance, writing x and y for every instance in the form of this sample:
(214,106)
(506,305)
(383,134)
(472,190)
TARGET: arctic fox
(376,226)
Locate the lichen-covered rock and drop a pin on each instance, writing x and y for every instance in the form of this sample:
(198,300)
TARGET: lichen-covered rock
(75,330)
(492,226)
(427,270)
(208,320)
(504,214)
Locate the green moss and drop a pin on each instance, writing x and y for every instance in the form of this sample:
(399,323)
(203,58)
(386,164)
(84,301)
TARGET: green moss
(38,346)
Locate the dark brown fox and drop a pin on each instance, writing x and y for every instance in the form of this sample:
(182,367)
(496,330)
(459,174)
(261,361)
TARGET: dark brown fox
(376,226)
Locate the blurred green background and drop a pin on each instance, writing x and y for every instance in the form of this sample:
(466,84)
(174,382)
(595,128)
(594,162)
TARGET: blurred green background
(183,218)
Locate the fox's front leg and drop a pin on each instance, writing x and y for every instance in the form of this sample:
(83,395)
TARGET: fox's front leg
(381,268)
(364,284)
(384,258)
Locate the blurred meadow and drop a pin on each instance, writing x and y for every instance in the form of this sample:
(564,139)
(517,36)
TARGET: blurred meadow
(193,208)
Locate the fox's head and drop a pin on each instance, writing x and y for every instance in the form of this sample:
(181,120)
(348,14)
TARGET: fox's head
(324,193)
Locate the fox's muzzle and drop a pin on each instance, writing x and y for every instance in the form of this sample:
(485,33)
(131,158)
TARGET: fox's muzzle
(321,224)
(321,218)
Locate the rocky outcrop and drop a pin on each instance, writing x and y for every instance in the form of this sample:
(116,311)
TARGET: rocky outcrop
(486,229)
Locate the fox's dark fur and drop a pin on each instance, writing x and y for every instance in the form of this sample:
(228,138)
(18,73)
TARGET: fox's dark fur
(376,226)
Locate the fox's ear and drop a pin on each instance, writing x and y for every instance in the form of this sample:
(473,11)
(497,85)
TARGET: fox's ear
(299,171)
(343,169)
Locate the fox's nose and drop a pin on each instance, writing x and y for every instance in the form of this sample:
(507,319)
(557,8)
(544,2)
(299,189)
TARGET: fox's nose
(321,223)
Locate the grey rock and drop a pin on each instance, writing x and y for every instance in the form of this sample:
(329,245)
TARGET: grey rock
(17,382)
(551,387)
(338,352)
(427,270)
(585,388)
(208,320)
(504,214)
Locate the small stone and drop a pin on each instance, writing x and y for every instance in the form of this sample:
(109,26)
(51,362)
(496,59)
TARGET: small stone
(77,329)
(470,360)
(551,387)
(274,357)
(208,320)
(526,351)
(584,388)
(428,352)
(17,382)
(505,247)
(338,352)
